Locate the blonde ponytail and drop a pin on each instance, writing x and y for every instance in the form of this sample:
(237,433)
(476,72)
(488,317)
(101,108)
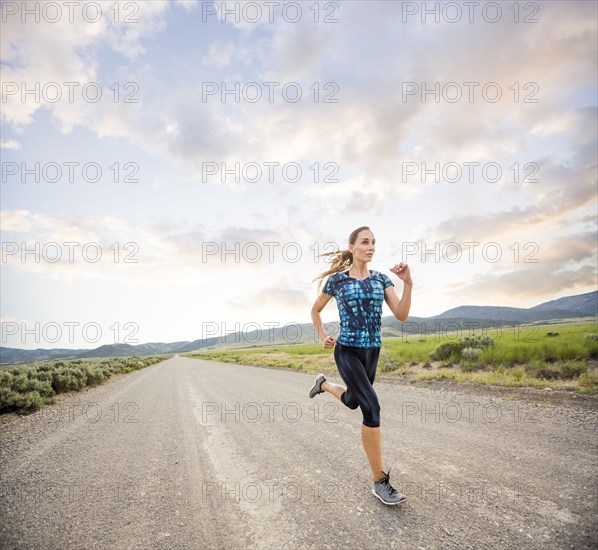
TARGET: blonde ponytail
(341,259)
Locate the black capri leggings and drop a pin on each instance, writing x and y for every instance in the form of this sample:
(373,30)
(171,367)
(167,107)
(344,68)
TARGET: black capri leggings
(357,368)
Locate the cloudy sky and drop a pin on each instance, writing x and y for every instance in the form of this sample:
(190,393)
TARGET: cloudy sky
(170,170)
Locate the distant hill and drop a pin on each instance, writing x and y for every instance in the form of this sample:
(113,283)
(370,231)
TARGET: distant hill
(119,350)
(14,355)
(568,307)
(581,305)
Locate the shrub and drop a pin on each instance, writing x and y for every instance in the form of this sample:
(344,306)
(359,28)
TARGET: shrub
(42,387)
(29,402)
(471,353)
(45,367)
(572,370)
(454,349)
(6,378)
(471,366)
(477,341)
(444,351)
(385,361)
(588,379)
(94,376)
(8,400)
(64,380)
(45,375)
(20,382)
(547,374)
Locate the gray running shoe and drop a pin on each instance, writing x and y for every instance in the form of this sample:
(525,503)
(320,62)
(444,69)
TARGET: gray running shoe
(317,387)
(386,492)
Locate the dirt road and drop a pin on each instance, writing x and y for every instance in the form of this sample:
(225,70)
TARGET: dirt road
(199,454)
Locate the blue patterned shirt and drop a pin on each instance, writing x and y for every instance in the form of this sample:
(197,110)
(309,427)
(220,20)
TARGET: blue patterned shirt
(359,307)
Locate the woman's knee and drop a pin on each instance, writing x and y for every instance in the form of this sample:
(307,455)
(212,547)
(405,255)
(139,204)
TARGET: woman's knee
(349,401)
(371,421)
(371,416)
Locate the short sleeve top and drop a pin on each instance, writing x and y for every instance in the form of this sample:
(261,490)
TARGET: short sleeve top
(360,307)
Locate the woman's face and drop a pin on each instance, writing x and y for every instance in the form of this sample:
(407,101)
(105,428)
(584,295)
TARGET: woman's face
(364,247)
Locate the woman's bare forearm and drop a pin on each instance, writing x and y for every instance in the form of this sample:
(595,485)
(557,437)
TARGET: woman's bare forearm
(317,321)
(405,303)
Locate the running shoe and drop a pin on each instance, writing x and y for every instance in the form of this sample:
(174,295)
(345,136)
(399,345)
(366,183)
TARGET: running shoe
(317,387)
(386,492)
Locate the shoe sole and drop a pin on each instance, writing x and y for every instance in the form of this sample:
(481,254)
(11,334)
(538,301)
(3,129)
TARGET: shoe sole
(388,503)
(315,386)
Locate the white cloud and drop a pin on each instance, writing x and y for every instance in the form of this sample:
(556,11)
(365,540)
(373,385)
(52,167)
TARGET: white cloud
(527,286)
(189,5)
(67,52)
(20,221)
(280,295)
(219,55)
(10,144)
(165,253)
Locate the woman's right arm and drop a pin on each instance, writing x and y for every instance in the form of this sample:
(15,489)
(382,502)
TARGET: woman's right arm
(318,306)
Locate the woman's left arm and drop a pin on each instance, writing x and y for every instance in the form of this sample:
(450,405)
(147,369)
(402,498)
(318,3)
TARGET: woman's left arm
(400,308)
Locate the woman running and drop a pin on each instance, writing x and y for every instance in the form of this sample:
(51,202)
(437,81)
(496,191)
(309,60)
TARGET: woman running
(359,293)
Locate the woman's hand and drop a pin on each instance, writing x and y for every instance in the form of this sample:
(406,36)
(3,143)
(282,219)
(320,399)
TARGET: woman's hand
(329,342)
(402,272)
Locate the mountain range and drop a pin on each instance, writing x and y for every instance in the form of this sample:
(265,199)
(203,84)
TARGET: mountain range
(466,317)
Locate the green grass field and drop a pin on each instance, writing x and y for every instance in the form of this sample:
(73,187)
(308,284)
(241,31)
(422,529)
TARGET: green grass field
(555,355)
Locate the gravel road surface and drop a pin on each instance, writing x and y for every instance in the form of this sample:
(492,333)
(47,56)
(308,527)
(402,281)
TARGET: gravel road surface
(199,454)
